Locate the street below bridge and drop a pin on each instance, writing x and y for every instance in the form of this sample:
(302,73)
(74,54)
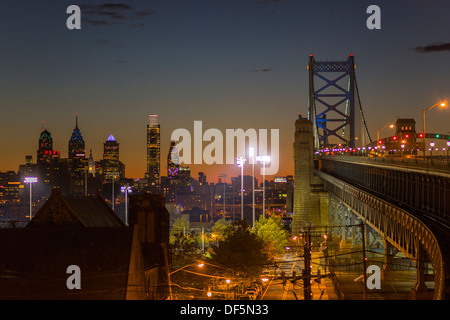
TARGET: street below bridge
(290,262)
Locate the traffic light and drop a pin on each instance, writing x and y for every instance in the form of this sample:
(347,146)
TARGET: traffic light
(406,136)
(380,141)
(420,135)
(394,138)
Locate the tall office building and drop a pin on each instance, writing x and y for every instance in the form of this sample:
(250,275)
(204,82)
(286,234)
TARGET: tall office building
(153,150)
(76,143)
(77,162)
(111,163)
(47,158)
(45,150)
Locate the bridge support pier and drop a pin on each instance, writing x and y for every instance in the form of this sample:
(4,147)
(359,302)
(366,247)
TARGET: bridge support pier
(420,290)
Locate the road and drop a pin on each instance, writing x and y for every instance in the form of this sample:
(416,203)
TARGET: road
(288,263)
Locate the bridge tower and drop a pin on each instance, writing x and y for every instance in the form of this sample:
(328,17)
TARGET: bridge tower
(332,90)
(310,198)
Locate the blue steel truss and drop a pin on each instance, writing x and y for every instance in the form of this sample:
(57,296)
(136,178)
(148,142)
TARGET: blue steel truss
(332,107)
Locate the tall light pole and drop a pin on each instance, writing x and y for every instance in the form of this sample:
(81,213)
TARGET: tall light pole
(442,104)
(431,149)
(30,181)
(126,189)
(240,162)
(223,176)
(113,178)
(378,131)
(264,160)
(251,155)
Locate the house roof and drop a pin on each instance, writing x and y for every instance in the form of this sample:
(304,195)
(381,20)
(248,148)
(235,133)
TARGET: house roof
(34,262)
(64,210)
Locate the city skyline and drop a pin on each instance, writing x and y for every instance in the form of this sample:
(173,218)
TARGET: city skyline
(239,64)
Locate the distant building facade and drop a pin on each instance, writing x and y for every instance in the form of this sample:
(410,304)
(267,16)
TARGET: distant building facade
(153,151)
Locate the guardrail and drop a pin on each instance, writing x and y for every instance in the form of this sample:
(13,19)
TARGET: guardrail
(434,165)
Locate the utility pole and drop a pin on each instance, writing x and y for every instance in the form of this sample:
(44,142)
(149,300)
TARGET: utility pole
(307,269)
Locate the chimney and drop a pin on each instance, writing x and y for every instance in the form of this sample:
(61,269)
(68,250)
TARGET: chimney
(149,212)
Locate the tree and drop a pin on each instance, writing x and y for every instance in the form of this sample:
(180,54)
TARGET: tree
(181,225)
(241,250)
(271,232)
(185,249)
(219,227)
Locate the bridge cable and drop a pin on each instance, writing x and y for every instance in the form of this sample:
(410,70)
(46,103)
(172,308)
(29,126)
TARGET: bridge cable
(359,102)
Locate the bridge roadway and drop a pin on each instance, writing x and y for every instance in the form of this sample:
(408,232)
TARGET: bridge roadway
(418,198)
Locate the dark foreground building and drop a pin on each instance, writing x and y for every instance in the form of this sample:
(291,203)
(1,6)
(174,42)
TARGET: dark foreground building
(115,261)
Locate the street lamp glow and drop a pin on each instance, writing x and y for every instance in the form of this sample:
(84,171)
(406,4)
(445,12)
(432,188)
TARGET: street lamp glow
(391,126)
(30,181)
(442,104)
(240,163)
(223,175)
(126,190)
(252,159)
(264,160)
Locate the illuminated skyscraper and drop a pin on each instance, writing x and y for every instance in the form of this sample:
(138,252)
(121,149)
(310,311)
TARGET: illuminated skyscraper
(111,163)
(46,157)
(91,163)
(76,143)
(45,150)
(77,162)
(153,150)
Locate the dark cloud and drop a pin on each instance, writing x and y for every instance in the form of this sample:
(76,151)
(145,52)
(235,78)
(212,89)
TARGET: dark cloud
(115,6)
(144,14)
(260,70)
(113,14)
(100,22)
(120,61)
(434,47)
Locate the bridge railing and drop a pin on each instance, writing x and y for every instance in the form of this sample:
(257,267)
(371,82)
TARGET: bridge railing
(436,165)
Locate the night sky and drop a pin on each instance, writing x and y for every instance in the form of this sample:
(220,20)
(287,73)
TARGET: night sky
(230,63)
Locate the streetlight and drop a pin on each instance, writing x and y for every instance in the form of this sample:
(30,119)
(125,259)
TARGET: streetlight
(126,189)
(228,281)
(378,131)
(442,104)
(241,162)
(30,181)
(223,175)
(264,160)
(251,155)
(431,150)
(199,265)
